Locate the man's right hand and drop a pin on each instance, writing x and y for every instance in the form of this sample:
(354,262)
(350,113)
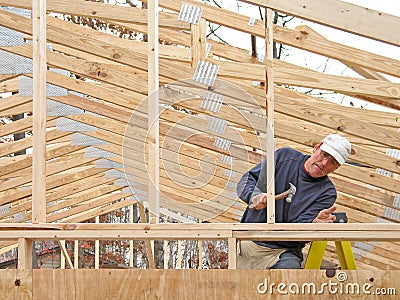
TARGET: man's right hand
(259,201)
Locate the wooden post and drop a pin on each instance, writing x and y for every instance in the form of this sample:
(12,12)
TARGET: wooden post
(97,249)
(131,262)
(166,254)
(232,253)
(153,163)
(270,117)
(76,254)
(25,254)
(200,246)
(200,243)
(63,255)
(179,250)
(39,112)
(149,249)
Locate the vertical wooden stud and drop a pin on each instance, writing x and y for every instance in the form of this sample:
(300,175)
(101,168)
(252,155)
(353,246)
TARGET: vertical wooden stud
(39,112)
(131,261)
(270,117)
(153,163)
(63,255)
(166,254)
(76,254)
(232,254)
(179,266)
(25,254)
(97,249)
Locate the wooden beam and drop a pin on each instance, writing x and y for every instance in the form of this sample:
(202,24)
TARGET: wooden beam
(304,37)
(232,250)
(101,11)
(9,85)
(270,106)
(263,231)
(54,181)
(25,253)
(78,160)
(153,138)
(341,15)
(39,112)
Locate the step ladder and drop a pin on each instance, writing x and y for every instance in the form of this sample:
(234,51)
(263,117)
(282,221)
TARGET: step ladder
(317,250)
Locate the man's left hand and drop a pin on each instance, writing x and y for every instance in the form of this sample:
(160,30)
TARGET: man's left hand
(325,216)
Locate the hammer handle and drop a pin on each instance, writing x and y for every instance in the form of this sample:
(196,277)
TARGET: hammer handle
(277,197)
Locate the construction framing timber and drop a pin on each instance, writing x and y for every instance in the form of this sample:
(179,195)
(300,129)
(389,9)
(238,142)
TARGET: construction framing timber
(134,107)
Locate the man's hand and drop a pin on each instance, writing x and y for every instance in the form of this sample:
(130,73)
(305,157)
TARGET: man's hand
(259,201)
(325,216)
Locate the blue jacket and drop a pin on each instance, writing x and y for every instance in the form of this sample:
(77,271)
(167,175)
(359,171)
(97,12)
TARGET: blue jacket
(312,194)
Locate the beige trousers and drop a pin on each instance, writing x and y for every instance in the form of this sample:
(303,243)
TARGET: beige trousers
(253,256)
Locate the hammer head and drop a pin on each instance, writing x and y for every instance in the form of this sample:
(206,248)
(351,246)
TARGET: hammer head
(291,192)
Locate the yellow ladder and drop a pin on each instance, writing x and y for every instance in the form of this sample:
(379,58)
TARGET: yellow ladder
(317,250)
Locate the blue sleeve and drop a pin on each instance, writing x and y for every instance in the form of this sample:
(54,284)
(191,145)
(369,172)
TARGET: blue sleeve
(247,186)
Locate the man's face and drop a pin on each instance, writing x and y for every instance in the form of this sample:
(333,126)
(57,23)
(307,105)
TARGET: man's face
(320,163)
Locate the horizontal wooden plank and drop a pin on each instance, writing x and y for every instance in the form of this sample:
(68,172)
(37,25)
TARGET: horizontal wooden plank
(237,227)
(210,284)
(211,233)
(101,11)
(341,15)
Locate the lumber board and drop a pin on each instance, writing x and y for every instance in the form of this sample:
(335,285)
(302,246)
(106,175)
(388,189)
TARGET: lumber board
(169,52)
(338,122)
(18,110)
(288,74)
(293,232)
(10,290)
(9,85)
(341,15)
(153,111)
(97,203)
(51,169)
(9,148)
(54,181)
(83,192)
(39,110)
(67,190)
(378,180)
(209,284)
(94,212)
(4,77)
(304,37)
(13,101)
(21,125)
(20,163)
(101,11)
(362,191)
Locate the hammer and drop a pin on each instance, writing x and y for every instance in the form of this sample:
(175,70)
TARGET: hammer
(288,194)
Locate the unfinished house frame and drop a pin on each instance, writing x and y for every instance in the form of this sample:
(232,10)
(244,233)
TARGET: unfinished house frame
(168,122)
